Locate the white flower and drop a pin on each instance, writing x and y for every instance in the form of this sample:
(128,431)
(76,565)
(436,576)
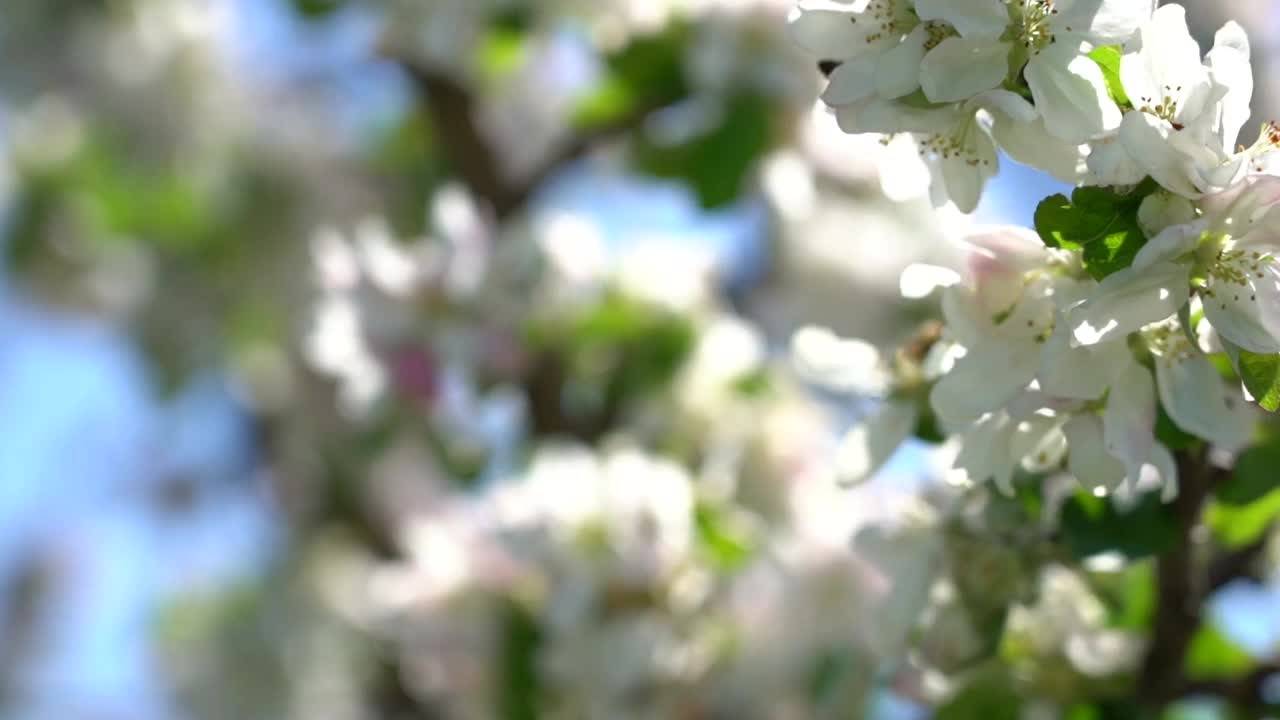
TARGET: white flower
(1195,395)
(1187,112)
(1127,301)
(1069,90)
(1001,316)
(1230,255)
(868,446)
(998,443)
(1071,93)
(838,31)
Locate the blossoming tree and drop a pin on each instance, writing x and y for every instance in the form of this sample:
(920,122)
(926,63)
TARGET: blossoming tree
(527,473)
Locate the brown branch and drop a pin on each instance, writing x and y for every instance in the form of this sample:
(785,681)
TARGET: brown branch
(1178,593)
(453,112)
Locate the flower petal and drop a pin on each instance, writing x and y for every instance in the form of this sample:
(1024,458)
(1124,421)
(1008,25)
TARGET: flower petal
(1232,77)
(1031,144)
(1102,22)
(1170,244)
(1127,300)
(1201,403)
(1080,373)
(985,379)
(899,71)
(835,30)
(1243,303)
(1071,94)
(852,81)
(1087,456)
(1128,425)
(985,19)
(959,68)
(867,447)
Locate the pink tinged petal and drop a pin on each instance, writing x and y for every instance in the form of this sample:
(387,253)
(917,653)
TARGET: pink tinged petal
(959,68)
(1244,204)
(1201,403)
(1128,300)
(898,73)
(1071,94)
(854,80)
(1170,244)
(987,378)
(986,19)
(1242,301)
(867,447)
(1087,457)
(998,261)
(1080,373)
(1102,22)
(1128,425)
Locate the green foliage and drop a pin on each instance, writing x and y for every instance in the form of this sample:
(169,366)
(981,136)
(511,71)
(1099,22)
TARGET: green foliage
(1239,525)
(1100,222)
(728,545)
(502,50)
(1214,657)
(1254,477)
(1092,525)
(1108,58)
(1130,595)
(646,73)
(316,9)
(619,349)
(714,163)
(1170,435)
(521,639)
(1259,373)
(990,696)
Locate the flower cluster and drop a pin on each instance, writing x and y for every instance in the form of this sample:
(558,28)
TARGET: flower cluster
(1100,92)
(1152,294)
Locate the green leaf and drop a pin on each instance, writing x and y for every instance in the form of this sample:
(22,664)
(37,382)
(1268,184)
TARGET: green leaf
(1091,526)
(1100,222)
(1259,373)
(647,72)
(316,9)
(1254,476)
(717,162)
(1108,58)
(1170,435)
(1214,657)
(728,545)
(987,698)
(1238,525)
(521,640)
(502,51)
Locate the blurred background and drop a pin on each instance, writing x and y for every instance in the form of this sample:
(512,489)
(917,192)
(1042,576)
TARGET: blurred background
(431,359)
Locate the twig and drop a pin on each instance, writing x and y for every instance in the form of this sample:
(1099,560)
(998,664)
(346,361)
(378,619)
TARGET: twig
(453,111)
(1177,592)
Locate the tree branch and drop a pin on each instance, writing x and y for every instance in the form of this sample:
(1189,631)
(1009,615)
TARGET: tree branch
(453,112)
(1178,594)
